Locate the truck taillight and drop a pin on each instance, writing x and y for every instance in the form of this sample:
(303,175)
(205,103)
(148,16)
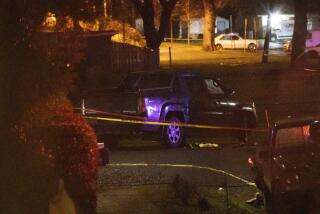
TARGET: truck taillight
(141,105)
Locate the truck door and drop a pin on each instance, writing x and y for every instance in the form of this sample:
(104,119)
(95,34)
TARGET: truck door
(205,108)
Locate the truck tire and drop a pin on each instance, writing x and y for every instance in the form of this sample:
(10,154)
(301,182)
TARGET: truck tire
(173,133)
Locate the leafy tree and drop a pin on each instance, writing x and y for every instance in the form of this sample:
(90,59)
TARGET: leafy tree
(185,10)
(146,8)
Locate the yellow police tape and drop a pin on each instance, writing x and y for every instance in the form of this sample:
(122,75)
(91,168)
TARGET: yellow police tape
(188,125)
(249,183)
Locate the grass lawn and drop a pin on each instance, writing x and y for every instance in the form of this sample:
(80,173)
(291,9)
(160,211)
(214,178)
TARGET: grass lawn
(182,55)
(162,199)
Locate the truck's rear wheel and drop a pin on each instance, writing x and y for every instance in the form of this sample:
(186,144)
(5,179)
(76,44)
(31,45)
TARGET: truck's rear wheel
(173,133)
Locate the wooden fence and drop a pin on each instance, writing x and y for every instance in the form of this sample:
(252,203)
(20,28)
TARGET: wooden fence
(107,61)
(128,58)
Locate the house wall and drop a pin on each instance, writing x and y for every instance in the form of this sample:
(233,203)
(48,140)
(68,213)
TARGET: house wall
(180,28)
(196,26)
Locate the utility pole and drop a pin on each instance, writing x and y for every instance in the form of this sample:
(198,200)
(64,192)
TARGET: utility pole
(105,8)
(171,31)
(123,24)
(109,8)
(265,54)
(230,24)
(245,34)
(188,19)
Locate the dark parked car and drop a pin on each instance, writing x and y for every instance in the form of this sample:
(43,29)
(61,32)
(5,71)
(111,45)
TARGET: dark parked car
(167,96)
(287,167)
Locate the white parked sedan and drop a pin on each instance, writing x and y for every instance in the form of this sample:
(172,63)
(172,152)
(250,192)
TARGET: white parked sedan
(234,41)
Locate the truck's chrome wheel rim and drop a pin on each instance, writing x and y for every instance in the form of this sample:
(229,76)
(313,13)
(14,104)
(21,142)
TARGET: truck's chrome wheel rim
(174,133)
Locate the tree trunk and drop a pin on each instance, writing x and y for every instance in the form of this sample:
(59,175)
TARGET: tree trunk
(188,20)
(164,22)
(107,8)
(101,13)
(150,32)
(153,36)
(208,25)
(299,33)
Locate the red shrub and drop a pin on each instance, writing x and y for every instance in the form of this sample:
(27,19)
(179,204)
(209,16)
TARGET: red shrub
(70,143)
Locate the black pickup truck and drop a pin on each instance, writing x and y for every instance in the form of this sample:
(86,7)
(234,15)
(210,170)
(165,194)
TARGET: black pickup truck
(287,167)
(167,96)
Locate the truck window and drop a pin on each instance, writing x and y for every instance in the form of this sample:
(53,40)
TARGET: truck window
(194,84)
(155,81)
(131,83)
(292,137)
(213,87)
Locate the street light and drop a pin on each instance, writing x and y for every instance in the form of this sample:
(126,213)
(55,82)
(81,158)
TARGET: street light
(275,19)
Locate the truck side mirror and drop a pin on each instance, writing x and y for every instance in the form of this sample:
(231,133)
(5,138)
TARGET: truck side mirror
(230,93)
(263,154)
